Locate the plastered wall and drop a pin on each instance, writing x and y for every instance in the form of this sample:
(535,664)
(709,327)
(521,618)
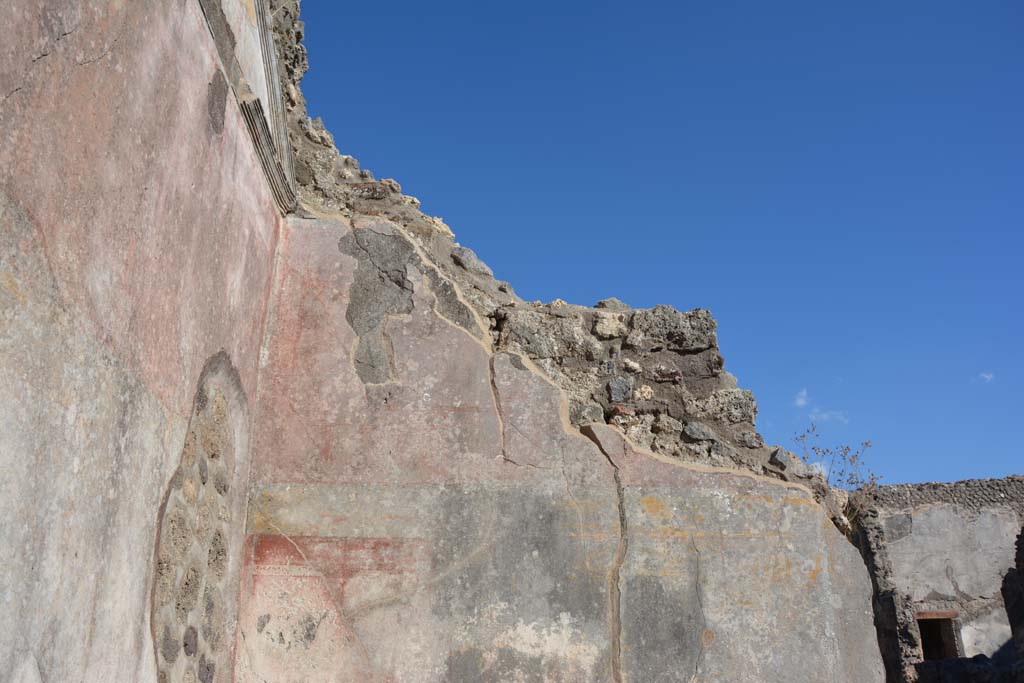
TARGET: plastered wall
(137,235)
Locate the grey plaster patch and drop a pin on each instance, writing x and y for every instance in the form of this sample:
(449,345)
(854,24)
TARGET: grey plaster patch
(663,629)
(498,666)
(986,633)
(382,288)
(207,668)
(951,553)
(189,642)
(216,100)
(532,544)
(169,645)
(214,622)
(898,527)
(223,36)
(309,625)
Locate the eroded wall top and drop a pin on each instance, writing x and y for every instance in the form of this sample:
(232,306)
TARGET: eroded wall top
(657,374)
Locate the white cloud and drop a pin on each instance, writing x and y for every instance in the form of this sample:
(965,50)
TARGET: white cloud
(800,400)
(986,377)
(819,415)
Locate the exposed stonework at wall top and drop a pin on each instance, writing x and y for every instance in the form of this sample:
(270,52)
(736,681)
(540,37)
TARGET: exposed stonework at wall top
(973,494)
(656,373)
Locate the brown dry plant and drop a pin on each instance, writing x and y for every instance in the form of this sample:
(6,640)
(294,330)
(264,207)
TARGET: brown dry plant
(844,467)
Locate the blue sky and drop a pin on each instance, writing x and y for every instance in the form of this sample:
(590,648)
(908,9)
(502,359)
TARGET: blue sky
(841,184)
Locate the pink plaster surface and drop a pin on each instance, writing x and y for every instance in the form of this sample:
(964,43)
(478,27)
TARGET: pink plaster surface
(144,244)
(306,593)
(159,231)
(355,486)
(318,422)
(378,511)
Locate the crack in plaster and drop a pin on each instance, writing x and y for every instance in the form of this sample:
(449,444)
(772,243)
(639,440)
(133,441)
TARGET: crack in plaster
(534,442)
(698,591)
(579,512)
(11,94)
(505,426)
(498,412)
(615,573)
(33,62)
(56,41)
(52,48)
(106,50)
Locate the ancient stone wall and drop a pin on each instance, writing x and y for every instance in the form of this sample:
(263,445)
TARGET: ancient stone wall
(332,446)
(898,638)
(656,374)
(431,513)
(942,550)
(971,494)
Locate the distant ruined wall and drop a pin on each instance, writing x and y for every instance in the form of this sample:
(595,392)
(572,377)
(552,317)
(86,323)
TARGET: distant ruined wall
(972,494)
(944,549)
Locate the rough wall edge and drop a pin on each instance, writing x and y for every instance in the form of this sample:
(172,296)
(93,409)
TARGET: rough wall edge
(593,429)
(971,494)
(895,629)
(563,399)
(330,181)
(482,324)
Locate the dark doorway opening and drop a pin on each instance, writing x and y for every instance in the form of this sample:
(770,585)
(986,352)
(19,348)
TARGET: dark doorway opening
(938,638)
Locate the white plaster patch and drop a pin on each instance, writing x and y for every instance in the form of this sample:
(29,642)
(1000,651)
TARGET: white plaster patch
(560,639)
(27,671)
(951,551)
(986,634)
